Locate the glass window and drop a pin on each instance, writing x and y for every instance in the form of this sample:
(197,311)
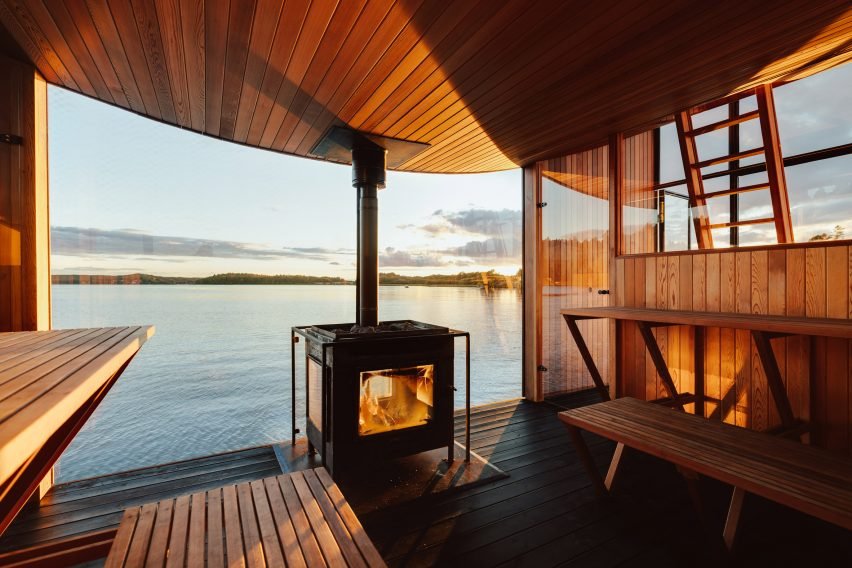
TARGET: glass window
(820,196)
(813,113)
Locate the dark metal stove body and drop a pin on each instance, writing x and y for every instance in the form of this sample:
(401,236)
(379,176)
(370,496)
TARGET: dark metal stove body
(375,390)
(378,395)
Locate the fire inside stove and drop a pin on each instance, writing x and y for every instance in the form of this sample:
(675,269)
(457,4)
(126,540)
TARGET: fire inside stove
(393,399)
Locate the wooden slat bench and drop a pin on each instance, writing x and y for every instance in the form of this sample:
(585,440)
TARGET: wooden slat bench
(50,383)
(296,519)
(803,477)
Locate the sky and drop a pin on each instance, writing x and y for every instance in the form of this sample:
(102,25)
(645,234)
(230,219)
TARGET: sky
(129,194)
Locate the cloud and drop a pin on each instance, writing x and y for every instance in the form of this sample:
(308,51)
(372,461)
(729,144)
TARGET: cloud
(474,222)
(393,258)
(86,242)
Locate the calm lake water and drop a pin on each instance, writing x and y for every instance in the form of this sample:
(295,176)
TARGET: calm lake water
(216,376)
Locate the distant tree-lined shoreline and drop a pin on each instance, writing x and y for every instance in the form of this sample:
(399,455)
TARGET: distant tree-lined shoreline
(490,279)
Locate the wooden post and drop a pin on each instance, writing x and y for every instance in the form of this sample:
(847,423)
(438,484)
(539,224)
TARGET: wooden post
(24,221)
(532,382)
(616,185)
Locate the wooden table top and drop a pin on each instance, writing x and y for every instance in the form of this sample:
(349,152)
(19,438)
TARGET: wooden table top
(295,519)
(47,376)
(773,324)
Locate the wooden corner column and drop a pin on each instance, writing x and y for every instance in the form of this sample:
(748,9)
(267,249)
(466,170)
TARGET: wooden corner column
(24,220)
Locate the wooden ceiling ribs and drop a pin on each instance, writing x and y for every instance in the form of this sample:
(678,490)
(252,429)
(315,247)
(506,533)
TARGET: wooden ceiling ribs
(648,91)
(648,46)
(290,23)
(375,47)
(342,22)
(365,28)
(537,91)
(488,84)
(310,38)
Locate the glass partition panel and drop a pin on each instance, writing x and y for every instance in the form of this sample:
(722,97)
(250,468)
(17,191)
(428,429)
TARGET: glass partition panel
(573,265)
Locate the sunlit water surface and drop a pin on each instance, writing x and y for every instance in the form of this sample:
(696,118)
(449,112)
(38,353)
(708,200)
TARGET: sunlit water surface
(216,376)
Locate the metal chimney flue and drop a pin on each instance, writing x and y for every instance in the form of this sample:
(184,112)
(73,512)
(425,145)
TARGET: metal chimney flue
(370,156)
(368,176)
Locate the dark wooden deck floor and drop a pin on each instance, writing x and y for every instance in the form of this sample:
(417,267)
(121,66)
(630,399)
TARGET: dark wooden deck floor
(544,514)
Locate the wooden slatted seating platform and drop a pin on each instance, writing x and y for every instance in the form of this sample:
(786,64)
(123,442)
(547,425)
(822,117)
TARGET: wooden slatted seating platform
(803,477)
(50,383)
(296,519)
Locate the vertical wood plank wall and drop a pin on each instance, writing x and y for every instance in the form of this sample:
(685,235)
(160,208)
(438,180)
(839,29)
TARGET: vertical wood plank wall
(24,224)
(811,280)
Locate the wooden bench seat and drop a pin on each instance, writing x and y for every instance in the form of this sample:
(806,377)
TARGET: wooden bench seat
(296,519)
(803,477)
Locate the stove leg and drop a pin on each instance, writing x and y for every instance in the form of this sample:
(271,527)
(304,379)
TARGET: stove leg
(451,454)
(312,451)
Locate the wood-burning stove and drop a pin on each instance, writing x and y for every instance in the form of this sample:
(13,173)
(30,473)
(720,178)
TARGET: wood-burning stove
(375,390)
(378,395)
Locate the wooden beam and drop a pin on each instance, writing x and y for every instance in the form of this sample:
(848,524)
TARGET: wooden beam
(694,184)
(773,378)
(24,224)
(616,188)
(587,358)
(532,381)
(774,163)
(659,362)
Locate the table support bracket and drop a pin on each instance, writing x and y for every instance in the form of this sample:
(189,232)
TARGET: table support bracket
(587,357)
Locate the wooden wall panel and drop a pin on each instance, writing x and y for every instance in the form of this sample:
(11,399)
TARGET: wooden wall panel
(813,280)
(24,223)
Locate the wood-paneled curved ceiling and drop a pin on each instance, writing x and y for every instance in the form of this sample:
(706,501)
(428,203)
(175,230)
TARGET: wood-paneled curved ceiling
(488,84)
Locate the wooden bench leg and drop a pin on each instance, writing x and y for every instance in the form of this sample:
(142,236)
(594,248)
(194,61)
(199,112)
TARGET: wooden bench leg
(691,479)
(612,472)
(586,457)
(732,522)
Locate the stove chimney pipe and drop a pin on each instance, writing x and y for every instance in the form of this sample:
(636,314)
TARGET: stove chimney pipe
(368,176)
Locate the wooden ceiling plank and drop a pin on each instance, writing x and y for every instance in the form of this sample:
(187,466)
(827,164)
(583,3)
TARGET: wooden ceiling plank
(240,23)
(473,58)
(192,21)
(28,45)
(83,21)
(420,62)
(316,23)
(488,85)
(216,17)
(289,26)
(382,108)
(148,28)
(387,32)
(267,15)
(135,80)
(55,13)
(689,82)
(656,100)
(573,91)
(492,101)
(168,17)
(368,22)
(24,23)
(591,81)
(413,32)
(341,23)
